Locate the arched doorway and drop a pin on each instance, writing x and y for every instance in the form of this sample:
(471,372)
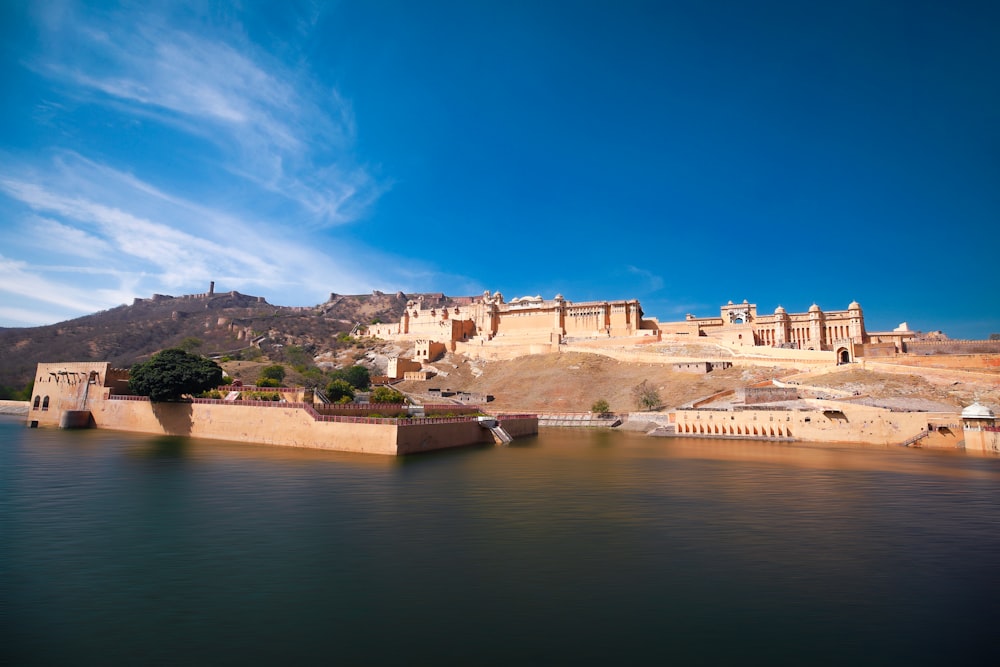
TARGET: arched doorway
(843,356)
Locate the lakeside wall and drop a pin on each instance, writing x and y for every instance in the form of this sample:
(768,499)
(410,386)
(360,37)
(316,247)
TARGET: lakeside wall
(292,425)
(832,422)
(82,394)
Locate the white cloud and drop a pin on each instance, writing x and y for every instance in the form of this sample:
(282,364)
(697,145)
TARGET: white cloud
(271,124)
(55,238)
(240,160)
(122,237)
(19,279)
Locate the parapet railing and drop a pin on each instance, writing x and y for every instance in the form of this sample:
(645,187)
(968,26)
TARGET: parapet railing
(398,421)
(348,419)
(253,387)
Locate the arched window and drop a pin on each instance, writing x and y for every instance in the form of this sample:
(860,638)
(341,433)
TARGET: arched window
(45,403)
(38,400)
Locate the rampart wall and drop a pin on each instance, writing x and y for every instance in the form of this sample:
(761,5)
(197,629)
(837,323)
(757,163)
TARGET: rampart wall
(958,361)
(925,347)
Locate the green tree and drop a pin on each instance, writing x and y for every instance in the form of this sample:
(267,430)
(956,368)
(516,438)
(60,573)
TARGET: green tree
(273,372)
(14,394)
(645,395)
(359,377)
(600,407)
(268,382)
(340,391)
(171,373)
(386,395)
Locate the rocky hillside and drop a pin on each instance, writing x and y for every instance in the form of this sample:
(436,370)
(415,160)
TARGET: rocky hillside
(231,323)
(573,381)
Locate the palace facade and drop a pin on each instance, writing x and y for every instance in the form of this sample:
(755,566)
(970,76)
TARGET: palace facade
(841,332)
(524,320)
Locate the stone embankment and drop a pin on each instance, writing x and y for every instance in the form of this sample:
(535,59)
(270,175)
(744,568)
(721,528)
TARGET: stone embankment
(14,408)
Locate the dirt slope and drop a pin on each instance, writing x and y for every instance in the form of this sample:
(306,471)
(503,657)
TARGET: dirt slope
(573,381)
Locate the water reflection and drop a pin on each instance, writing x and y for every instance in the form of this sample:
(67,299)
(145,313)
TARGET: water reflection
(583,547)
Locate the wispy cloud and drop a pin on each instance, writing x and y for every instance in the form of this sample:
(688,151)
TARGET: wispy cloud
(271,123)
(19,279)
(120,237)
(244,165)
(651,281)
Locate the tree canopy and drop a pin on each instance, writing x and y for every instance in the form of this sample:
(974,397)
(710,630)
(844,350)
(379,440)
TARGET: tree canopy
(340,391)
(359,377)
(171,373)
(386,395)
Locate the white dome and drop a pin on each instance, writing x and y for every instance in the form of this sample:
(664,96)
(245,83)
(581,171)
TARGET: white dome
(977,411)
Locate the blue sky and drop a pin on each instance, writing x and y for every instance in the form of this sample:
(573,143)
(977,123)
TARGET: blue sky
(681,153)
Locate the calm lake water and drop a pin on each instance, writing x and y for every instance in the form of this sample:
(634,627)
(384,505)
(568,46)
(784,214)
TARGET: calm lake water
(576,547)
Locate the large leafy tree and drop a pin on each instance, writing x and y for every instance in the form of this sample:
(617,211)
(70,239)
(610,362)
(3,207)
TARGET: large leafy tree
(170,374)
(340,391)
(359,377)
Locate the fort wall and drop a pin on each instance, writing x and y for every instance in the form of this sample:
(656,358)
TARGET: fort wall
(75,390)
(958,361)
(940,347)
(834,423)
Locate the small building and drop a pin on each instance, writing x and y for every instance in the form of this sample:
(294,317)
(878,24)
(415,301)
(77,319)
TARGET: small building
(397,367)
(701,367)
(979,425)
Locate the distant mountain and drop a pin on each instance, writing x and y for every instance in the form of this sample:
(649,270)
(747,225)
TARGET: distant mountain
(214,324)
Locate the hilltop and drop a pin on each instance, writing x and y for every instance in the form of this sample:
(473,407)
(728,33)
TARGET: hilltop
(233,324)
(246,333)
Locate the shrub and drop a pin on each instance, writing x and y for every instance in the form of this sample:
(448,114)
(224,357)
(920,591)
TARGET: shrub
(600,407)
(273,372)
(645,395)
(386,395)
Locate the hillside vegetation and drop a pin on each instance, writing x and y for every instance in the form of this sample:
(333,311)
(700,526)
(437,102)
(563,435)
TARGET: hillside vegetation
(231,324)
